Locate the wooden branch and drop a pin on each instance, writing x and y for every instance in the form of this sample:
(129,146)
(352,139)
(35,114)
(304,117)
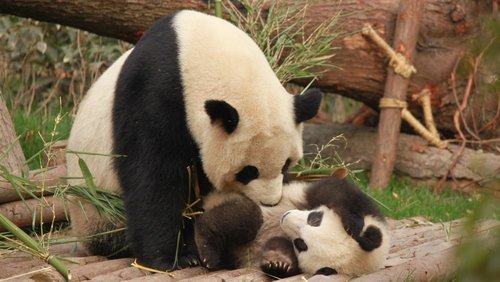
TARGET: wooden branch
(11,154)
(21,212)
(407,26)
(43,177)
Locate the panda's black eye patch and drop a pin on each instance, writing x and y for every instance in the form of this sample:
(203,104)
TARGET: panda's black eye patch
(284,170)
(315,218)
(247,174)
(300,245)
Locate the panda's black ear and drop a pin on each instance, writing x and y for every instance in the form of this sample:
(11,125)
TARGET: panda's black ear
(307,105)
(222,113)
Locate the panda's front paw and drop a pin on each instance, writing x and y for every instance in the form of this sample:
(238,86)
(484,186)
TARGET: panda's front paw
(189,260)
(279,269)
(278,258)
(210,257)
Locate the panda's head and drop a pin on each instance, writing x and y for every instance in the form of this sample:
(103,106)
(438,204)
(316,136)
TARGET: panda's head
(319,239)
(247,127)
(249,153)
(323,246)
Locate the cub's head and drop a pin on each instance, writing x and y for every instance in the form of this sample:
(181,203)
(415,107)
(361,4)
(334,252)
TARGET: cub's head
(248,149)
(324,247)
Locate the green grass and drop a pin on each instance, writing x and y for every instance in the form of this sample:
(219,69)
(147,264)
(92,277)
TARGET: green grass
(402,200)
(36,130)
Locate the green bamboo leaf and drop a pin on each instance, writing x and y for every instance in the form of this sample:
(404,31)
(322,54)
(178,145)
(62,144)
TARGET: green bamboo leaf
(89,179)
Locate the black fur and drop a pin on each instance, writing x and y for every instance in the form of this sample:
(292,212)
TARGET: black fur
(149,128)
(216,233)
(247,174)
(112,245)
(370,239)
(300,245)
(352,205)
(223,113)
(307,105)
(278,258)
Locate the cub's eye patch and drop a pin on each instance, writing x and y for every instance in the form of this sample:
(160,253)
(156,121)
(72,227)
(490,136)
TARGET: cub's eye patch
(314,218)
(300,245)
(247,174)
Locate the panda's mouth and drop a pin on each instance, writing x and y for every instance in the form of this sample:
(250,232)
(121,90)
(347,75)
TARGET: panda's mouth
(268,205)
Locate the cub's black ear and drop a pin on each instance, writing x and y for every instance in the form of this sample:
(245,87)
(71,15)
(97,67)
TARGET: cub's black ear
(326,271)
(223,113)
(307,105)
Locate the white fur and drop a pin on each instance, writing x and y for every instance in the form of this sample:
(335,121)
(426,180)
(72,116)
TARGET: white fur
(238,73)
(329,245)
(94,125)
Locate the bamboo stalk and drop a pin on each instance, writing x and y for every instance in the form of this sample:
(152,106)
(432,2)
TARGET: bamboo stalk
(35,247)
(426,134)
(425,99)
(218,8)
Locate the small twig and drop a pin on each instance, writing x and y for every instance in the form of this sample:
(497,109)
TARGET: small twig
(396,60)
(456,122)
(484,141)
(493,121)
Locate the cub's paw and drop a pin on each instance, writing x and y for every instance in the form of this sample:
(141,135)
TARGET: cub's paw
(188,260)
(279,269)
(210,257)
(278,258)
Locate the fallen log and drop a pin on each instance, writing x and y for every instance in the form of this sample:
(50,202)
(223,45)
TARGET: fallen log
(445,30)
(414,157)
(34,211)
(43,177)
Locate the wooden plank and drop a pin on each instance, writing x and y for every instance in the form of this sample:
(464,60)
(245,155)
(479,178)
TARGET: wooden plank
(89,271)
(179,275)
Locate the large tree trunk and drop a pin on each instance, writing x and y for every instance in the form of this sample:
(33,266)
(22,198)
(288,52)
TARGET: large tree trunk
(11,154)
(446,27)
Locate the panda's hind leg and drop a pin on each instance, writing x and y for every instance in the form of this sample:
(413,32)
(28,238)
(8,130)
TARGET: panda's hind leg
(278,258)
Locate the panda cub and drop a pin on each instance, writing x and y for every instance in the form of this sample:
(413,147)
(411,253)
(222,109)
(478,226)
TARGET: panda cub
(327,227)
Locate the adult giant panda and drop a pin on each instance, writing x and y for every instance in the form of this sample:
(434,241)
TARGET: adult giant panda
(327,227)
(194,92)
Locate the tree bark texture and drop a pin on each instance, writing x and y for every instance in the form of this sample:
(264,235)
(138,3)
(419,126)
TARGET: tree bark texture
(446,27)
(11,154)
(396,87)
(42,178)
(414,157)
(25,213)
